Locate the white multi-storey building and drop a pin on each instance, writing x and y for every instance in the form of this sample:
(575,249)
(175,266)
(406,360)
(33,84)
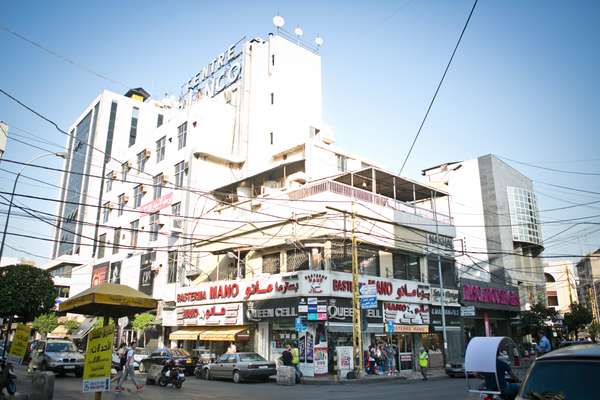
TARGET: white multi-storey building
(200,201)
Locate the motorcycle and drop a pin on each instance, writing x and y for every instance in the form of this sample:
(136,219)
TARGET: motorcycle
(7,378)
(171,374)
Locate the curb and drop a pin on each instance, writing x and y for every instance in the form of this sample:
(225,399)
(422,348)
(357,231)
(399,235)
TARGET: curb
(396,380)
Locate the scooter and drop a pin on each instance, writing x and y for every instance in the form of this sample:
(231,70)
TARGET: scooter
(171,374)
(7,378)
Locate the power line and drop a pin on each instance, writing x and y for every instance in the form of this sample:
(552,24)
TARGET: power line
(438,87)
(562,171)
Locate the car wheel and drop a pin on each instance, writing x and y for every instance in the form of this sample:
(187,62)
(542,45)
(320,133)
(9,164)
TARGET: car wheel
(237,378)
(142,368)
(207,374)
(178,385)
(162,381)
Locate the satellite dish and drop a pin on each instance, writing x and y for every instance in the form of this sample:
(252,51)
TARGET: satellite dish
(298,31)
(278,21)
(319,41)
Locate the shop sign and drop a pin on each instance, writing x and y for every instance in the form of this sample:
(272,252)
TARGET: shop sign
(98,357)
(156,205)
(219,74)
(340,310)
(406,313)
(18,346)
(266,310)
(450,296)
(488,295)
(368,296)
(169,318)
(317,281)
(440,244)
(452,315)
(99,273)
(467,311)
(212,315)
(314,308)
(411,329)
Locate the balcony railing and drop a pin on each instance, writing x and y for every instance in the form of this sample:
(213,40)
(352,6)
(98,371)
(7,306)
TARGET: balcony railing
(366,196)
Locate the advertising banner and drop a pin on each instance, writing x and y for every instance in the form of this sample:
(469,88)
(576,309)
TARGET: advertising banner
(146,283)
(215,315)
(99,274)
(406,313)
(320,359)
(345,356)
(452,315)
(18,346)
(98,357)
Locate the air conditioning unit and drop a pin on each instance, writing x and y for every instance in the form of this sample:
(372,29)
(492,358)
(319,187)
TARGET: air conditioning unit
(125,199)
(113,175)
(128,164)
(165,179)
(146,154)
(186,166)
(177,224)
(110,205)
(143,189)
(227,95)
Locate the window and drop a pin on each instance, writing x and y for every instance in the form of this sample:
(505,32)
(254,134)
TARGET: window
(101,245)
(341,258)
(141,161)
(157,184)
(109,181)
(134,123)
(134,227)
(406,266)
(160,149)
(271,138)
(116,240)
(172,273)
(159,120)
(62,291)
(272,98)
(448,272)
(179,169)
(176,212)
(154,226)
(105,212)
(124,171)
(342,162)
(271,264)
(273,59)
(111,131)
(121,204)
(181,136)
(552,301)
(301,259)
(137,196)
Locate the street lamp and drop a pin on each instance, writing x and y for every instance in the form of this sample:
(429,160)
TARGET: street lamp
(12,195)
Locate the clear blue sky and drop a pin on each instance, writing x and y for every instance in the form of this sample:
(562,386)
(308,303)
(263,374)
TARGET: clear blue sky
(523,84)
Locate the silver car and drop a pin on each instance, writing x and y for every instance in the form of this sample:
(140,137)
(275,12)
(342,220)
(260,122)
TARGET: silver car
(240,366)
(60,356)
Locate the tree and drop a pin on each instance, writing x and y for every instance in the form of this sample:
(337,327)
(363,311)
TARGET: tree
(45,323)
(594,330)
(577,318)
(71,325)
(536,318)
(100,322)
(143,321)
(25,291)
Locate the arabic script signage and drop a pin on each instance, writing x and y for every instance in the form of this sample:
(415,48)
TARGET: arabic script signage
(156,205)
(406,313)
(212,315)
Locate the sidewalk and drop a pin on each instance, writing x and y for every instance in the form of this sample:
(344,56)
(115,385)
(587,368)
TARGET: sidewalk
(408,376)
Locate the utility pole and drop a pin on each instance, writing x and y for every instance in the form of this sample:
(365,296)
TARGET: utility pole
(356,317)
(569,283)
(440,273)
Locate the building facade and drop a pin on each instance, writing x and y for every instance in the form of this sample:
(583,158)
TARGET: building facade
(498,232)
(588,290)
(561,285)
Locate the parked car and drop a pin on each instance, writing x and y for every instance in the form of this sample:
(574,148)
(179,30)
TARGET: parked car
(455,369)
(139,354)
(567,373)
(240,366)
(181,357)
(60,356)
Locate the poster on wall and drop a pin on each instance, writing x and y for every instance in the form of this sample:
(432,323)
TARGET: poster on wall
(345,358)
(306,345)
(320,359)
(115,272)
(99,274)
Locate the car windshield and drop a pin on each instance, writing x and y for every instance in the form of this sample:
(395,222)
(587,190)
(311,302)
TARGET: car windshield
(251,357)
(562,380)
(180,353)
(59,347)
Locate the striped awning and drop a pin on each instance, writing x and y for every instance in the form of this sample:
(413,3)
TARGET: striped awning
(221,333)
(186,334)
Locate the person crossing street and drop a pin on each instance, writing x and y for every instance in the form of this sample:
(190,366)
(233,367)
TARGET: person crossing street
(128,370)
(423,362)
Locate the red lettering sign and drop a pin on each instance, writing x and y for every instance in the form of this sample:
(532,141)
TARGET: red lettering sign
(490,295)
(342,286)
(190,313)
(226,291)
(191,296)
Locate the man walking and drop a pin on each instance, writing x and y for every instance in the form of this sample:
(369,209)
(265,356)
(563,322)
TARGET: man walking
(423,362)
(543,346)
(128,370)
(296,360)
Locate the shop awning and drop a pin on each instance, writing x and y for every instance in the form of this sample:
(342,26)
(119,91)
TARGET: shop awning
(186,334)
(221,333)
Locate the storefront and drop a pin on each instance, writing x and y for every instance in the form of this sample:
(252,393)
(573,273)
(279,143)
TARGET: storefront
(410,321)
(494,308)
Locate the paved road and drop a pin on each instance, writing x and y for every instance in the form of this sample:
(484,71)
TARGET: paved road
(69,388)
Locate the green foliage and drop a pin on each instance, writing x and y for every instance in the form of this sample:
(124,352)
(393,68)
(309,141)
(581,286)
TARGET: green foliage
(45,323)
(143,321)
(594,330)
(577,318)
(535,319)
(25,291)
(71,325)
(100,322)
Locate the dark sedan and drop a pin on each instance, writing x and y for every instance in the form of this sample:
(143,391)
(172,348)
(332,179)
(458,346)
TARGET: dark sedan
(240,366)
(181,357)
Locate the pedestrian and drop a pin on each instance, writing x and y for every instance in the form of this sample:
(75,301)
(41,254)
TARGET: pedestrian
(232,349)
(286,356)
(371,369)
(119,362)
(128,370)
(380,359)
(423,362)
(543,345)
(390,355)
(296,360)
